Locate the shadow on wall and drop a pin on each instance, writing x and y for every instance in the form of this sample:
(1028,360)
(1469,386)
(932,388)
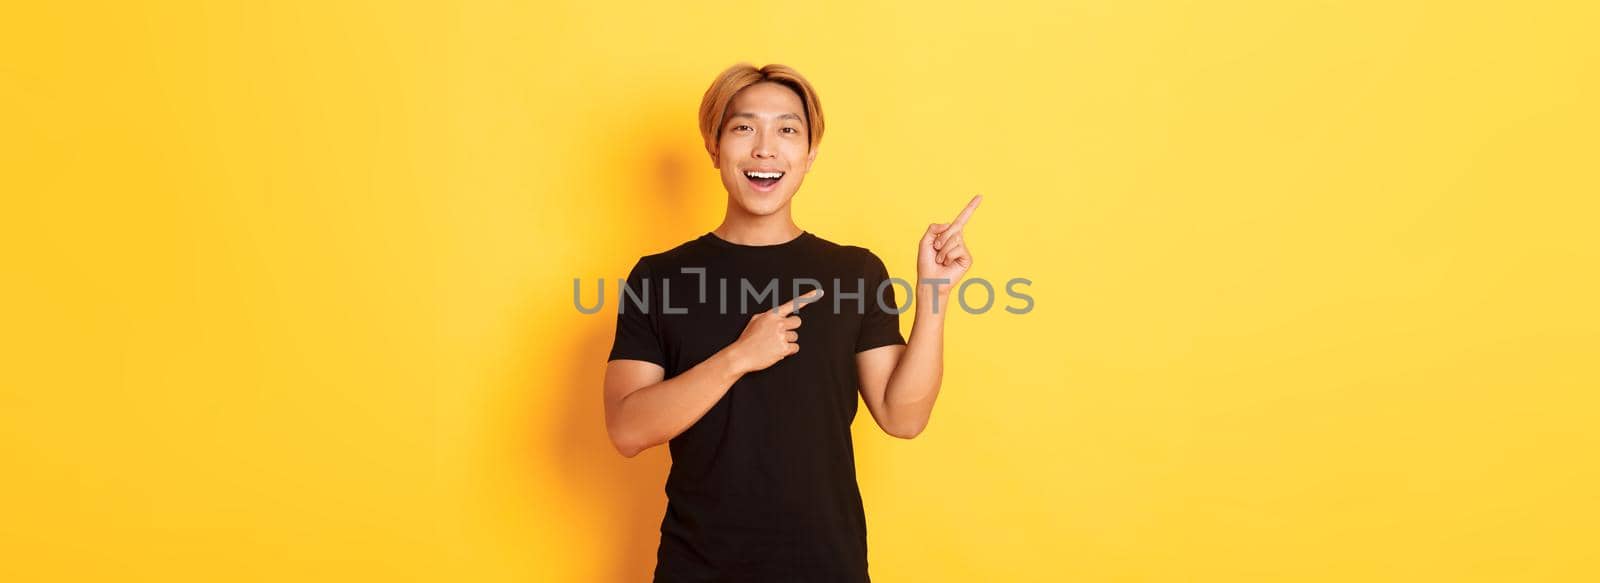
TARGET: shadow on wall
(623,499)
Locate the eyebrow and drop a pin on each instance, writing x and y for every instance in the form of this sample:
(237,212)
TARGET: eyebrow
(792,116)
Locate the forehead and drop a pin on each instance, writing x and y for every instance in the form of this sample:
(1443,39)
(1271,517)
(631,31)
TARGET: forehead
(766,99)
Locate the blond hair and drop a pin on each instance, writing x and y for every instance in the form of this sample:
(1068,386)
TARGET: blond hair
(714,105)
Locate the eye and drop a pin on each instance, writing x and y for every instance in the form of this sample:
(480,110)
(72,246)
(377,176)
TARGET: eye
(741,128)
(791,130)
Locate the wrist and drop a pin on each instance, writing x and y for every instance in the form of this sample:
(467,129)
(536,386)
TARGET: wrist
(733,360)
(935,287)
(931,301)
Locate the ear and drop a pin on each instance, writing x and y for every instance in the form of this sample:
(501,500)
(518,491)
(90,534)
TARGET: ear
(811,159)
(712,150)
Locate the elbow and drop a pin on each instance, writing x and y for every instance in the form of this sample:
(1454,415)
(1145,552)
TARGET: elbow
(626,444)
(624,436)
(907,427)
(906,432)
(626,450)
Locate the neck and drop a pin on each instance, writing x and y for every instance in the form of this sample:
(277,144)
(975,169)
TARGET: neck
(744,228)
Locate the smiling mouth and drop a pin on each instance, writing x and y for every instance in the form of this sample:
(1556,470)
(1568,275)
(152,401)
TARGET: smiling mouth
(763,180)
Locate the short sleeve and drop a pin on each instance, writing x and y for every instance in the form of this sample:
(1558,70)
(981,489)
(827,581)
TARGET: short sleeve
(638,333)
(880,326)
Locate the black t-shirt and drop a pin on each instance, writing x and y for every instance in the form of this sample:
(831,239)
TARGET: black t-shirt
(763,486)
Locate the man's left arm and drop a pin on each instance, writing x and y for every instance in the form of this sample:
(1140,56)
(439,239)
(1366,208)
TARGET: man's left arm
(900,383)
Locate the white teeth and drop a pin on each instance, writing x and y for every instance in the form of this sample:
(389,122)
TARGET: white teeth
(764,174)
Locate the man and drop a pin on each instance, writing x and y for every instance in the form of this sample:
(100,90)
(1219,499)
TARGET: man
(756,406)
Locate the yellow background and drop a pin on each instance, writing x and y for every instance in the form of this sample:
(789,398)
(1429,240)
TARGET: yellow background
(287,286)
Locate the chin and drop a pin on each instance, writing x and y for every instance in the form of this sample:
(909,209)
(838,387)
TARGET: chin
(760,210)
(762,203)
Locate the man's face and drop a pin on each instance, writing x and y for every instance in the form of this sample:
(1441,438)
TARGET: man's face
(763,150)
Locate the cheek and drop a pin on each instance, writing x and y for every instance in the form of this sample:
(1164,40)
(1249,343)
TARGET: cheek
(732,144)
(797,152)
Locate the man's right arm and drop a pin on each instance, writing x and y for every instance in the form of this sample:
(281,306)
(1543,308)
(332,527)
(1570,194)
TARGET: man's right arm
(643,411)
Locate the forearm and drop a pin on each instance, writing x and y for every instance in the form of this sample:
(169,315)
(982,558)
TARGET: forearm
(657,413)
(914,385)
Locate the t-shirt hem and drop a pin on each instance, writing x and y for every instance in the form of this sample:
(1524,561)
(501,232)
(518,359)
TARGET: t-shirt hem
(878,343)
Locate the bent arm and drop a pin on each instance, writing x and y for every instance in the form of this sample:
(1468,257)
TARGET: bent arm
(900,383)
(643,411)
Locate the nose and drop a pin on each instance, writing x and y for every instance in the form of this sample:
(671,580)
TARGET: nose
(763,147)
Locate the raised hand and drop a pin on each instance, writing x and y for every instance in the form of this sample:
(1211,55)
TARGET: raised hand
(770,336)
(943,252)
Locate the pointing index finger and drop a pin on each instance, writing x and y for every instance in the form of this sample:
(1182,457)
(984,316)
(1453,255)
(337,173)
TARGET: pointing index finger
(966,213)
(791,306)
